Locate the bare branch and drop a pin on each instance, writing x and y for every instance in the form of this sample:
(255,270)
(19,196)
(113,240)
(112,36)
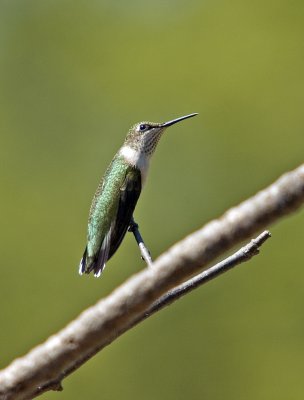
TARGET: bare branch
(101,324)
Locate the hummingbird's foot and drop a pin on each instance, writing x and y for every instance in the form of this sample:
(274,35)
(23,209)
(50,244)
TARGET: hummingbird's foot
(133,226)
(144,251)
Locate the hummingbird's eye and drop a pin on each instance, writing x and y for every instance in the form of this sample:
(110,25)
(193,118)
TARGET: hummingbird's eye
(143,127)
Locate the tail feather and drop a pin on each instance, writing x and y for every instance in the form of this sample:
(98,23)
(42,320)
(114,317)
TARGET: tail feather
(82,264)
(97,262)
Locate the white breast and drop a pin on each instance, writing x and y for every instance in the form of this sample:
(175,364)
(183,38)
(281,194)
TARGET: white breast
(137,159)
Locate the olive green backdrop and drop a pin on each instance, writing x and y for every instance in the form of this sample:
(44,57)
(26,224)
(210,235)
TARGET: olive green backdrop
(74,76)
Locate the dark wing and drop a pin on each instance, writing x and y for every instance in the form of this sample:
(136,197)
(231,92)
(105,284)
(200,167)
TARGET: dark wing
(129,194)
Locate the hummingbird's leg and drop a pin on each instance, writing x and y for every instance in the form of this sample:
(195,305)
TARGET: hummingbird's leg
(145,253)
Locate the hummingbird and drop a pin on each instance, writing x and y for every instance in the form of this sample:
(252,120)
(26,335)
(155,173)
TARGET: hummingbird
(116,196)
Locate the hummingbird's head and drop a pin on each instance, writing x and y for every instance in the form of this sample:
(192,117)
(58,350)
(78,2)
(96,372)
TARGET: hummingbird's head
(144,136)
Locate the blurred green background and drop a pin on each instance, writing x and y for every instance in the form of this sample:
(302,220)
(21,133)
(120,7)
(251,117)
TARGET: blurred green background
(74,76)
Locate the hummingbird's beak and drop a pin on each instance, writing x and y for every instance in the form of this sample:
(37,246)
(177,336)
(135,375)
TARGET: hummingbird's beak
(174,121)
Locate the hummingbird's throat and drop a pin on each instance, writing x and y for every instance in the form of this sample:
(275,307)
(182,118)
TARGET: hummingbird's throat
(149,143)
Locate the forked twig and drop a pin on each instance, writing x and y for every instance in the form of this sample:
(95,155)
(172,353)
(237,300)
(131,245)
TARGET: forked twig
(244,254)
